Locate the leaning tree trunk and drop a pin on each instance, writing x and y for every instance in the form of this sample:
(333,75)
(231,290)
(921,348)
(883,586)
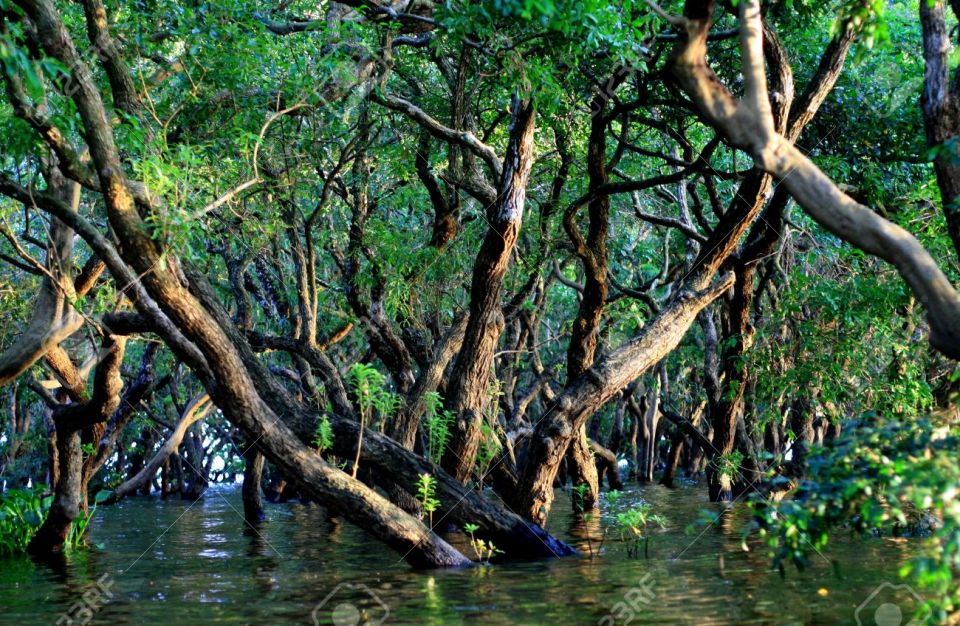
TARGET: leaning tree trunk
(673,459)
(196,410)
(459,504)
(179,306)
(203,336)
(749,124)
(591,390)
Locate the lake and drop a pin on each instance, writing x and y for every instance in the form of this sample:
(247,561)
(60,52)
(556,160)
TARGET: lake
(174,562)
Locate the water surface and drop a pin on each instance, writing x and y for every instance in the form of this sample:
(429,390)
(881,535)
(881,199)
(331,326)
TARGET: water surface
(173,562)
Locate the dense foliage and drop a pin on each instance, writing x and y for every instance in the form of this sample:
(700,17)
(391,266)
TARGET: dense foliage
(370,253)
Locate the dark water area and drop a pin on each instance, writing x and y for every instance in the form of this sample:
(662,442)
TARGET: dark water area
(174,562)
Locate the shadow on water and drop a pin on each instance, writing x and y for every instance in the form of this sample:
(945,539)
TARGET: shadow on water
(170,562)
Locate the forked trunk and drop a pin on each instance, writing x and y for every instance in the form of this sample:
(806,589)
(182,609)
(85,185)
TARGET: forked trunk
(468,391)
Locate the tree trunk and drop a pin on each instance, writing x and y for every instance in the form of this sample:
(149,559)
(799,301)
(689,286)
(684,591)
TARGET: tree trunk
(801,423)
(593,253)
(730,406)
(467,393)
(52,535)
(673,459)
(940,102)
(595,387)
(649,430)
(607,466)
(70,421)
(252,494)
(636,417)
(459,504)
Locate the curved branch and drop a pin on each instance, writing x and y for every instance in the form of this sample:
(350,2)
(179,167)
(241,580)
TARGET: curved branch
(196,410)
(53,318)
(463,138)
(749,125)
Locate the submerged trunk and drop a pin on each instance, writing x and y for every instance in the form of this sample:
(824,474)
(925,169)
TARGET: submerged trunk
(607,466)
(593,254)
(585,395)
(70,422)
(648,440)
(459,504)
(65,508)
(252,494)
(673,459)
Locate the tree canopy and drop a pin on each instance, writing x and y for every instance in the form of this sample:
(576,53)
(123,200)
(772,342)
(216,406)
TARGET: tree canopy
(339,247)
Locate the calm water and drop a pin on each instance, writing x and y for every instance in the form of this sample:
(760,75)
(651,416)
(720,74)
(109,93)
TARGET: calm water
(180,563)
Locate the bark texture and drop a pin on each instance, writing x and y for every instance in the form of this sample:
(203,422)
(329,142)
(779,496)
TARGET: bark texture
(468,390)
(749,123)
(940,102)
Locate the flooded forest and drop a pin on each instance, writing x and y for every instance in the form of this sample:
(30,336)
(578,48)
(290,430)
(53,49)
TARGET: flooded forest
(479,312)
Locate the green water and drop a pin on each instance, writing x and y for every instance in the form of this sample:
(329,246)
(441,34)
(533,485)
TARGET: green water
(172,562)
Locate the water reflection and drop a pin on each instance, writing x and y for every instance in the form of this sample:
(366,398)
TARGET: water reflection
(198,562)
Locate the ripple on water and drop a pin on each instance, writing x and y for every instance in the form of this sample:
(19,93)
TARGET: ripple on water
(197,562)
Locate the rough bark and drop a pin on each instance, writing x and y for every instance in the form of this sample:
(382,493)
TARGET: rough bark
(53,318)
(467,394)
(459,504)
(749,124)
(940,102)
(70,421)
(595,387)
(593,254)
(52,535)
(125,96)
(206,345)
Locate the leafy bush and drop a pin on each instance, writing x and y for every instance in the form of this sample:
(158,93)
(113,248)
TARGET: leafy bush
(885,476)
(22,511)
